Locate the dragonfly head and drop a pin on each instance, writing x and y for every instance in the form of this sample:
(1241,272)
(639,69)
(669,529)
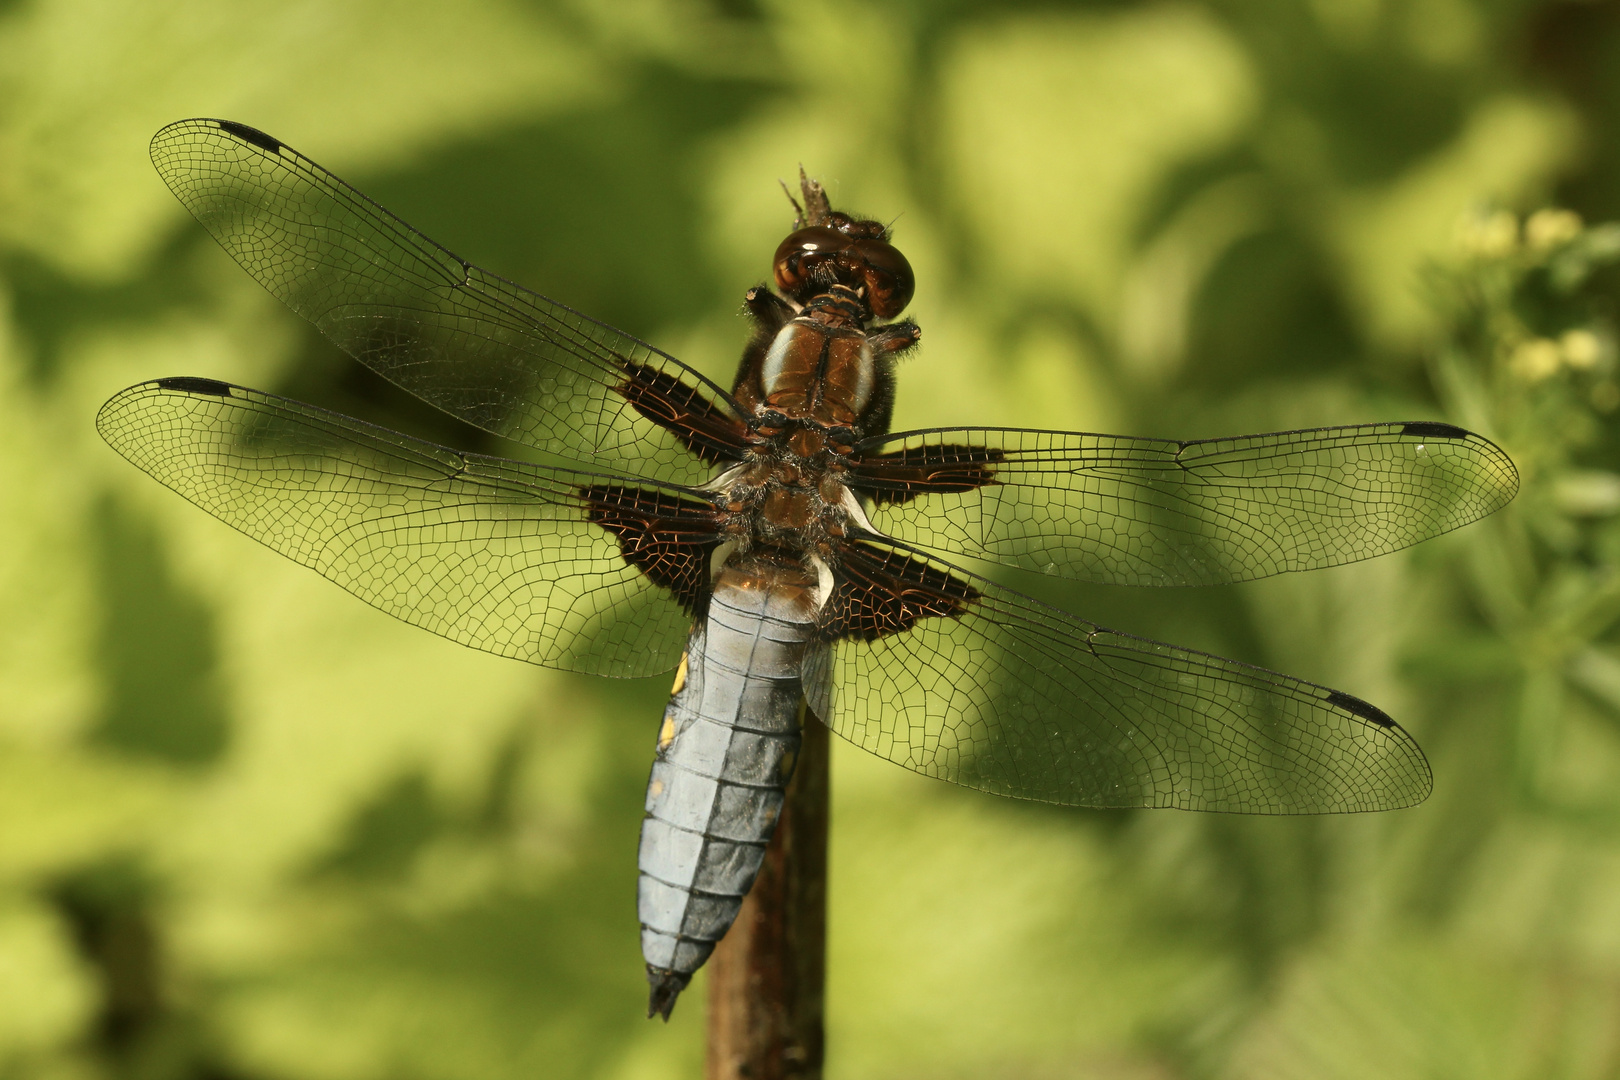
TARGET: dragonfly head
(829,248)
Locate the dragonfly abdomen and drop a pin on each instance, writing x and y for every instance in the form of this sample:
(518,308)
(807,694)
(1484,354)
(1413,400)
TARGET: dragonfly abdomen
(726,751)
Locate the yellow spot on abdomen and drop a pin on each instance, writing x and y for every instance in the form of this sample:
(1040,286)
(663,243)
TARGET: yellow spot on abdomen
(680,677)
(666,734)
(656,788)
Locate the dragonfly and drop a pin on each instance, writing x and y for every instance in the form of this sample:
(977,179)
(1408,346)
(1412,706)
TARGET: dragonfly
(775,543)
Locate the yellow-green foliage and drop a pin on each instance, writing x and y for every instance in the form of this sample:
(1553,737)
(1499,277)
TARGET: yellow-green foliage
(251,828)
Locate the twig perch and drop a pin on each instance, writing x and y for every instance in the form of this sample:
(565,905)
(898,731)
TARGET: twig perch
(768,975)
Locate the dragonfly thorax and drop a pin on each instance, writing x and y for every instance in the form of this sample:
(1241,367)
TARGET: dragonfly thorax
(813,371)
(781,501)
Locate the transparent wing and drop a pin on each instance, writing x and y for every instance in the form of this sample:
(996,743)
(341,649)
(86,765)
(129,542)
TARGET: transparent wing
(1013,697)
(499,555)
(1129,511)
(475,345)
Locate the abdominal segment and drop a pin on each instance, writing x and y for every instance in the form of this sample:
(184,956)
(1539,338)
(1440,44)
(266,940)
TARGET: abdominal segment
(726,751)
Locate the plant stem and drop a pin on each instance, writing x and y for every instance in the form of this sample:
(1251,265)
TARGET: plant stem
(767,976)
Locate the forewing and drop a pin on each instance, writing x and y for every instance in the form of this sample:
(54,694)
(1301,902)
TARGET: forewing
(499,555)
(1129,511)
(473,344)
(987,688)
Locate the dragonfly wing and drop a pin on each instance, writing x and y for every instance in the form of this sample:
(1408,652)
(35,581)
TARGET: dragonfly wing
(492,353)
(1128,511)
(956,678)
(555,567)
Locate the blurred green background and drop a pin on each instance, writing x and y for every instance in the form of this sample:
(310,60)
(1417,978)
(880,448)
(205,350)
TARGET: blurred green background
(252,829)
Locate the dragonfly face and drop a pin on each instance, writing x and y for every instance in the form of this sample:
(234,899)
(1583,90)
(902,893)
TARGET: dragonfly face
(775,541)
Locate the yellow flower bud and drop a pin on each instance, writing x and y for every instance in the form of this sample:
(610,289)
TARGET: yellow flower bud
(1581,348)
(1551,227)
(1536,359)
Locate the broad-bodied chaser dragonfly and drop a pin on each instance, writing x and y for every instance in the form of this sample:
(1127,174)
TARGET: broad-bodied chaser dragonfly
(776,541)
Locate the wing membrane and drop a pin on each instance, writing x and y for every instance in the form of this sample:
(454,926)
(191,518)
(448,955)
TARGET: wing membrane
(1130,511)
(1010,696)
(473,344)
(495,554)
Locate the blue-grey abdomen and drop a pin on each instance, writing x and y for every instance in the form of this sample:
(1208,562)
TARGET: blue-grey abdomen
(726,750)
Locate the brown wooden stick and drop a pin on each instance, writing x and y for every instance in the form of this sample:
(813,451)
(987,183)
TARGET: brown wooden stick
(768,975)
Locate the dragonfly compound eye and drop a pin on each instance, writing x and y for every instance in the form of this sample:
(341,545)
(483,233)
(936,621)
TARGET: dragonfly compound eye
(799,256)
(889,280)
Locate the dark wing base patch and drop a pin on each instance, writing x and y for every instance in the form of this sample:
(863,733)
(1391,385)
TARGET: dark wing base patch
(684,412)
(902,476)
(669,539)
(878,593)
